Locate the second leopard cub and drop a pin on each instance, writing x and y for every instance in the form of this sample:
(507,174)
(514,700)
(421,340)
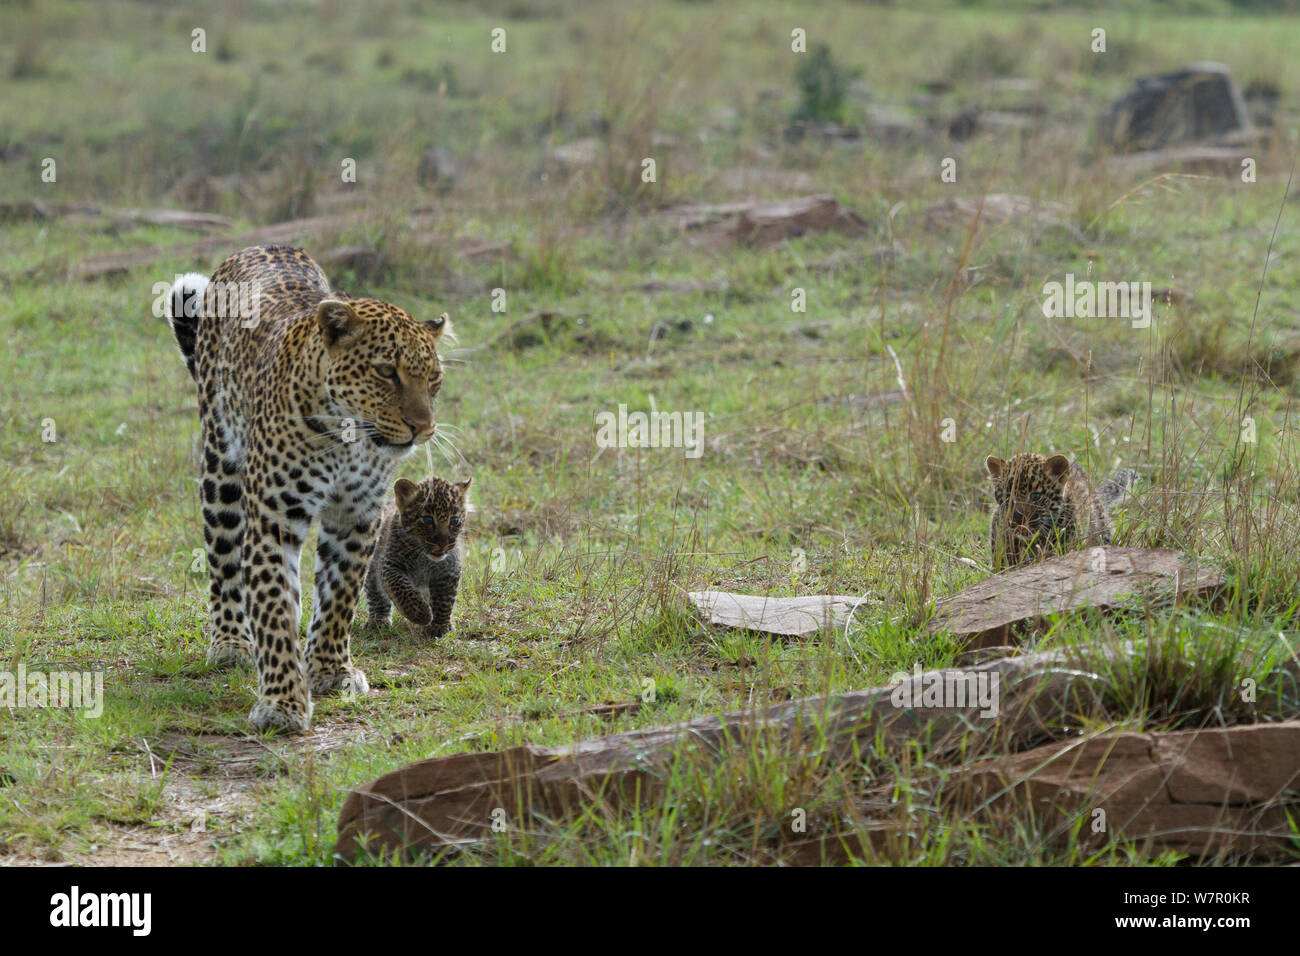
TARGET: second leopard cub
(1048,506)
(417,559)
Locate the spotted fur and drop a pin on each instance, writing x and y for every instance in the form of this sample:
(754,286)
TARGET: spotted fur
(1048,506)
(307,406)
(418,555)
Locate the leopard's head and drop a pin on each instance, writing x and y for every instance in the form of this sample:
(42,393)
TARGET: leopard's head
(383,368)
(1032,508)
(433,511)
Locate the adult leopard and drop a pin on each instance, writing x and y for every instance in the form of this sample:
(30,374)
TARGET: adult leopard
(308,401)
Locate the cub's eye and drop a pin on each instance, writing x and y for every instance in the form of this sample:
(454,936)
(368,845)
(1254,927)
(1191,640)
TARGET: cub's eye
(387,371)
(1036,496)
(455,521)
(428,519)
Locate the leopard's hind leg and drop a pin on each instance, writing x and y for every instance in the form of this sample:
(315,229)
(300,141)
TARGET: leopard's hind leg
(221,484)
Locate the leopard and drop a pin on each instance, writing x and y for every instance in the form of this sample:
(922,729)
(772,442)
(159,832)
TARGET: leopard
(1047,505)
(418,555)
(309,400)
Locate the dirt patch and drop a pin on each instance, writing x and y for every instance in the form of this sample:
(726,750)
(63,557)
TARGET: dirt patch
(211,789)
(222,756)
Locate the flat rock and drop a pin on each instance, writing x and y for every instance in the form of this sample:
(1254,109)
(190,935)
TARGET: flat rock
(788,617)
(997,208)
(83,212)
(24,210)
(1201,791)
(179,218)
(989,613)
(1202,160)
(766,223)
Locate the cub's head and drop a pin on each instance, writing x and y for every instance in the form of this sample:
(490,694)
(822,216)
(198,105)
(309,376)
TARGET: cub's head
(1032,509)
(433,511)
(383,368)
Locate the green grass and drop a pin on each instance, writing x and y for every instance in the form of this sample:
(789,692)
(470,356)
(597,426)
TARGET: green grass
(98,528)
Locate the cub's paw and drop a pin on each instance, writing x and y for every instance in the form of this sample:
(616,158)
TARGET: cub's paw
(229,653)
(281,715)
(432,632)
(347,680)
(374,623)
(419,616)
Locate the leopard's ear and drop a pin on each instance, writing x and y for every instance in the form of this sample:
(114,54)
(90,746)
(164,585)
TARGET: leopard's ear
(995,466)
(464,486)
(440,326)
(337,322)
(405,491)
(1058,466)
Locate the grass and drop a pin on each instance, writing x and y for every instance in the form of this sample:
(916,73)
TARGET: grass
(578,562)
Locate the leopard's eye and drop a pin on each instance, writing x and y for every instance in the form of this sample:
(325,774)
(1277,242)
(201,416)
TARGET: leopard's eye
(387,371)
(1036,496)
(428,519)
(455,522)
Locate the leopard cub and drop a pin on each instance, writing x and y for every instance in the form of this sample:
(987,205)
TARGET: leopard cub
(1048,506)
(417,559)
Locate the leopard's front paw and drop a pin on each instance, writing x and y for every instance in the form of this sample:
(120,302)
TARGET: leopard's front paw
(419,616)
(228,653)
(281,715)
(347,679)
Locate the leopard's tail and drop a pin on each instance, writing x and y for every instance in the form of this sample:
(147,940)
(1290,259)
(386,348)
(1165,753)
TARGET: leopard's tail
(1115,488)
(184,310)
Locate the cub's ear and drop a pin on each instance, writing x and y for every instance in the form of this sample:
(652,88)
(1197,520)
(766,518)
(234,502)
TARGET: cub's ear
(337,322)
(440,326)
(464,486)
(995,466)
(1058,466)
(405,491)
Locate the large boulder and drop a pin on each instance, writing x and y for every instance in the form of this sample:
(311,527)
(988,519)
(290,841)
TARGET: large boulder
(1197,104)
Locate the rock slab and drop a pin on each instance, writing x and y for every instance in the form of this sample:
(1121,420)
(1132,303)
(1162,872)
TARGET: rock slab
(1202,792)
(788,617)
(1108,578)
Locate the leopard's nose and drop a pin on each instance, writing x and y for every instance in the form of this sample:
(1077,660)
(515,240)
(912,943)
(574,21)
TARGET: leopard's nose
(419,426)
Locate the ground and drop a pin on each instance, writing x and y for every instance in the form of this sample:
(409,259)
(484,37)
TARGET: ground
(843,444)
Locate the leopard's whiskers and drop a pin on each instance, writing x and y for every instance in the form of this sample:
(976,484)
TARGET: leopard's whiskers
(447,446)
